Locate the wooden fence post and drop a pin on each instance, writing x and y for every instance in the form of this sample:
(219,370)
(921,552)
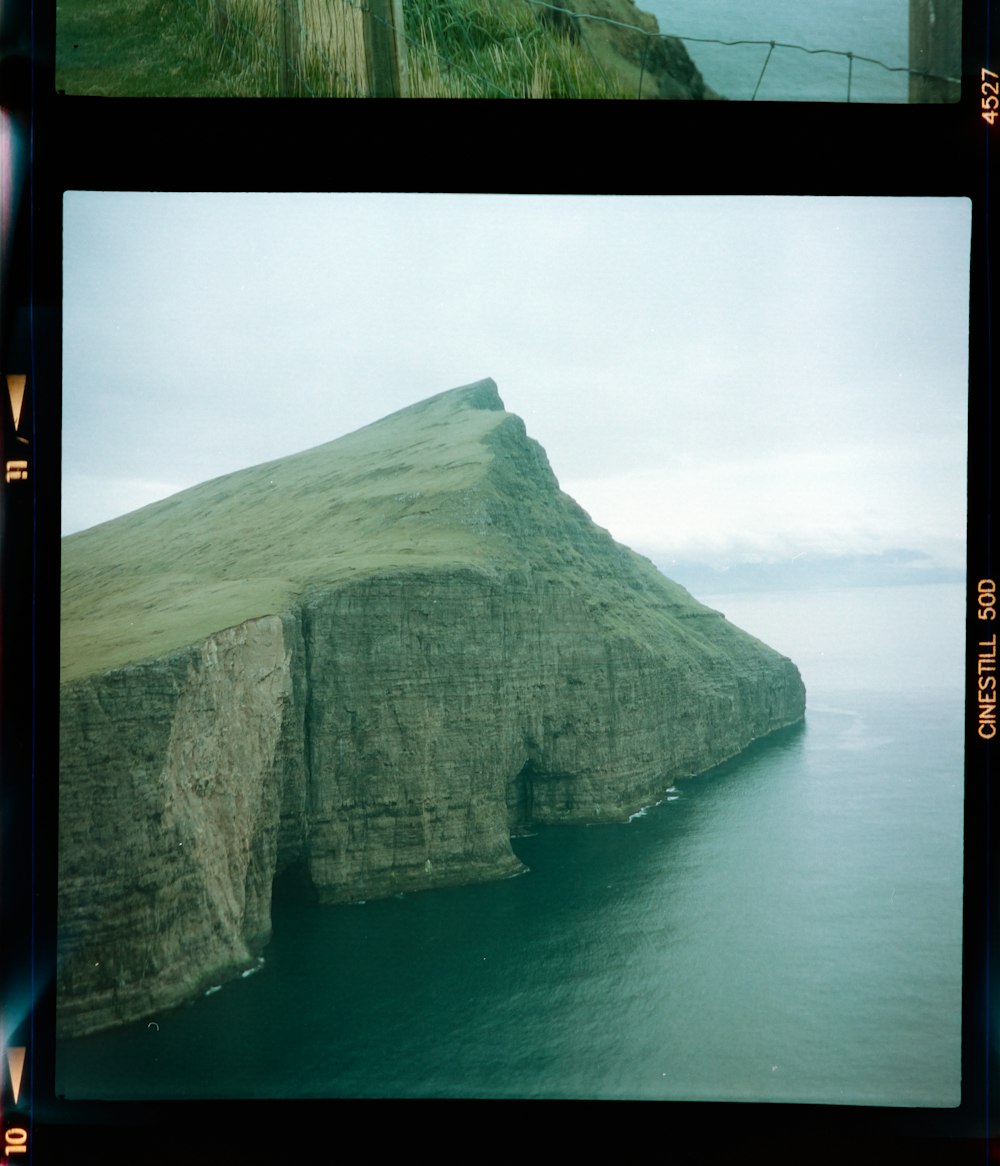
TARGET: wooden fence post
(290,47)
(936,48)
(385,48)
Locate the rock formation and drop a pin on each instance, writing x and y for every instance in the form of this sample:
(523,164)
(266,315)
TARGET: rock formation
(373,660)
(626,42)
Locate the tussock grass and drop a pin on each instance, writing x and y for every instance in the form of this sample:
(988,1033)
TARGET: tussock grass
(455,48)
(325,47)
(496,48)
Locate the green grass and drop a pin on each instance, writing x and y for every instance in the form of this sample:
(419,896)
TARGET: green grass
(387,497)
(496,48)
(138,48)
(449,483)
(456,48)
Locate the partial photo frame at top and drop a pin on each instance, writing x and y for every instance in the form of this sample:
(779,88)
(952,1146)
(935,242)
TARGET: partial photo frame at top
(847,51)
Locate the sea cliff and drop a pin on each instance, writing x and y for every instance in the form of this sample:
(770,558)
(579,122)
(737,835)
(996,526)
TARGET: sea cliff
(372,661)
(626,42)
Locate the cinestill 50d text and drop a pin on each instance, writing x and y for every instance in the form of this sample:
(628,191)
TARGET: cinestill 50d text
(986,663)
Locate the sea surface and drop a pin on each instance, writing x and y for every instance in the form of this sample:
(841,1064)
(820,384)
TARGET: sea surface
(879,30)
(786,927)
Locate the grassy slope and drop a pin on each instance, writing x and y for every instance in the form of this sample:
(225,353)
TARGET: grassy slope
(242,545)
(451,481)
(135,48)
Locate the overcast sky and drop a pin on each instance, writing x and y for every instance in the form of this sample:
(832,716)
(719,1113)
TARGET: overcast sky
(714,379)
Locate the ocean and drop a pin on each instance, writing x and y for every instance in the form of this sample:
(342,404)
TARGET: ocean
(879,31)
(786,927)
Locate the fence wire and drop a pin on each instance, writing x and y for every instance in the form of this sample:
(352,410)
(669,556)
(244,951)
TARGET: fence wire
(317,48)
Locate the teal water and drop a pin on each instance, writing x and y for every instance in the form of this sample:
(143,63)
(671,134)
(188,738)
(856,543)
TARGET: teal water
(786,927)
(878,31)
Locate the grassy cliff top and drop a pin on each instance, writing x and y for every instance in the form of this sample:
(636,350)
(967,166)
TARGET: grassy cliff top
(244,544)
(451,482)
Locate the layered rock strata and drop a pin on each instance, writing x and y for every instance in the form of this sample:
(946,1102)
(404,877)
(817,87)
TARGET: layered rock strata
(455,653)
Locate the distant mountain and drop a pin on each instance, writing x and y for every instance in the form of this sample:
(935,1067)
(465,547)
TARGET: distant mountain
(369,663)
(891,568)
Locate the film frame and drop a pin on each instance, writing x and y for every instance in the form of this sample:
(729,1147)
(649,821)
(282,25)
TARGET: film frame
(76,143)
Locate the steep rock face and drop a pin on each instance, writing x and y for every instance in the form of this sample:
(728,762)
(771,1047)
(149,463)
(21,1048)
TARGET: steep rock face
(482,659)
(169,806)
(447,709)
(649,65)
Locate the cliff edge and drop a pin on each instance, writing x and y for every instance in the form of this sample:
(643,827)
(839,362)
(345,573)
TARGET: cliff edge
(626,42)
(373,661)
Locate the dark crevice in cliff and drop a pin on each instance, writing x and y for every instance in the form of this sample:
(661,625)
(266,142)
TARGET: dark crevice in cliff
(308,712)
(520,800)
(294,885)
